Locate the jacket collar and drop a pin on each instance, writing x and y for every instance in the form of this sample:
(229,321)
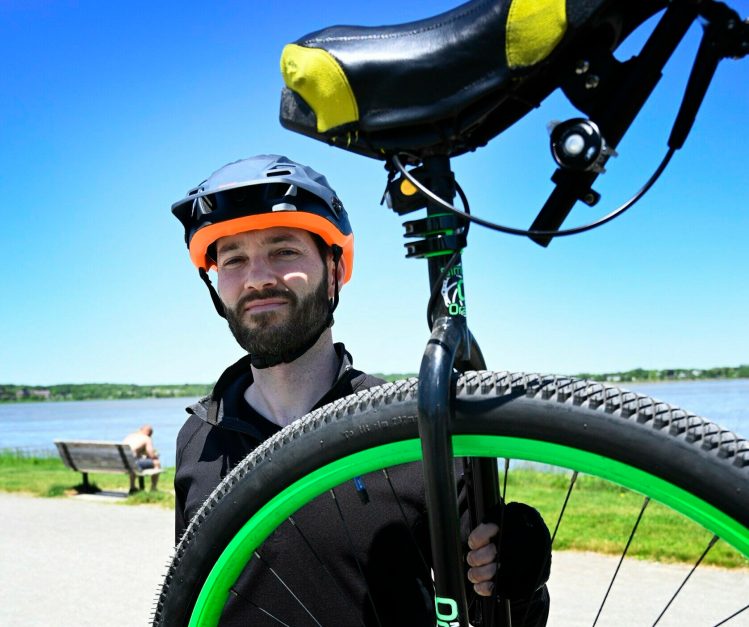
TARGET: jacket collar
(211,408)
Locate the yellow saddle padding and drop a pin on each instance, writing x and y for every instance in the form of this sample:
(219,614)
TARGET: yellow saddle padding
(533,30)
(318,78)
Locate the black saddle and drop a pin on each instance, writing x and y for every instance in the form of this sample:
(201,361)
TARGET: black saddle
(450,83)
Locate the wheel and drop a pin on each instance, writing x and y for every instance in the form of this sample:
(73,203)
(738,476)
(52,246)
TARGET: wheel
(687,463)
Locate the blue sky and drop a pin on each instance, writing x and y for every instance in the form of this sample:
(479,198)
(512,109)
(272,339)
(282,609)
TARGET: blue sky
(110,111)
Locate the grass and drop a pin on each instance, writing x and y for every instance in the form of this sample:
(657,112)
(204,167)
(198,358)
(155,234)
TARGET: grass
(46,476)
(599,516)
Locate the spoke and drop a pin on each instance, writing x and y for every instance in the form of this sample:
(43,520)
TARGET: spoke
(461,485)
(289,590)
(324,567)
(504,480)
(621,559)
(353,553)
(710,545)
(405,518)
(505,602)
(503,501)
(732,616)
(553,536)
(257,607)
(564,506)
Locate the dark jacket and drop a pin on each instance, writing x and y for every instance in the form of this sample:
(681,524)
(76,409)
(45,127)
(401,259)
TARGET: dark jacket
(388,574)
(222,430)
(347,562)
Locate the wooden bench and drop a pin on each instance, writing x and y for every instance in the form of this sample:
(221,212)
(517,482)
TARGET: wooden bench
(87,456)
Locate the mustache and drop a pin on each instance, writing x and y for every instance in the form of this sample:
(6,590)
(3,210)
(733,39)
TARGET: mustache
(263,294)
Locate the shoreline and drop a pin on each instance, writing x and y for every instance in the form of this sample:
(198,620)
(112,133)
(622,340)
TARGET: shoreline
(588,376)
(657,381)
(94,400)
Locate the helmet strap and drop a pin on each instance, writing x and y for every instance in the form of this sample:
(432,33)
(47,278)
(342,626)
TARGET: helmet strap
(337,253)
(214,294)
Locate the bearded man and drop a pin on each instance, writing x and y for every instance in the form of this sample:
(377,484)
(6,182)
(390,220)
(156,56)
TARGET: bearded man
(282,246)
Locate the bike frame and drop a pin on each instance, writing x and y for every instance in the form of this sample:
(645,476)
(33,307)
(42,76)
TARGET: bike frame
(451,347)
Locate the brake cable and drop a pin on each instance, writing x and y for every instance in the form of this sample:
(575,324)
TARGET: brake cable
(530,233)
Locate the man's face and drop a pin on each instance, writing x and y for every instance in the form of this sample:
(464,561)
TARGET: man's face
(275,289)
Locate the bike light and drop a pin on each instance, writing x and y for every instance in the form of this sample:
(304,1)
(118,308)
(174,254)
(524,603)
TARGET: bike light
(577,144)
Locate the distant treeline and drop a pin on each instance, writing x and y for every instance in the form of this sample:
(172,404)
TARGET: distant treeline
(99,391)
(640,374)
(675,374)
(115,391)
(394,377)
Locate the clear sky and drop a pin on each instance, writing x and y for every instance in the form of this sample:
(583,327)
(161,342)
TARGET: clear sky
(110,111)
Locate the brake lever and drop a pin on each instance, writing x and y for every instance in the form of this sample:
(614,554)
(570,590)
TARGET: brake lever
(725,36)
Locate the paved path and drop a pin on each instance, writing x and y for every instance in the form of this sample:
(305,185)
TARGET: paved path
(80,562)
(641,591)
(83,562)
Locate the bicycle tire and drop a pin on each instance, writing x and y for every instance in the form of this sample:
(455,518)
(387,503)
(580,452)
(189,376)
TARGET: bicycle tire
(684,461)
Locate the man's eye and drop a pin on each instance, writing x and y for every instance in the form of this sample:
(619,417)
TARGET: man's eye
(231,261)
(286,252)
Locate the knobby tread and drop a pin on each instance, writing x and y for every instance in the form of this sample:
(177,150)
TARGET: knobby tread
(600,397)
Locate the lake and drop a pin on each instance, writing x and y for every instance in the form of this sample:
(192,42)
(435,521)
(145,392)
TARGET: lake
(34,426)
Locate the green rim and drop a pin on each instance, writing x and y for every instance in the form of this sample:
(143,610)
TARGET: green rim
(235,556)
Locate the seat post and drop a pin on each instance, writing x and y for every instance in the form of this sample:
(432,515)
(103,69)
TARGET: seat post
(435,408)
(442,184)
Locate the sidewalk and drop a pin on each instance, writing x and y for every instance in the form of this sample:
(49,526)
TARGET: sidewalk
(80,562)
(88,562)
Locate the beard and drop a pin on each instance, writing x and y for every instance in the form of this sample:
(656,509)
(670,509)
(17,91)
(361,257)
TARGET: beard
(279,341)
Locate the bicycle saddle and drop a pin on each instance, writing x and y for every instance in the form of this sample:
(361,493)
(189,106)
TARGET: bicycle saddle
(446,84)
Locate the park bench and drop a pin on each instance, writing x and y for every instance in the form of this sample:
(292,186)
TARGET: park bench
(87,456)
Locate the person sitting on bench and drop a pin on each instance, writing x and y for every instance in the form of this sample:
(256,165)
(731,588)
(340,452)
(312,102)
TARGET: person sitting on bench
(147,457)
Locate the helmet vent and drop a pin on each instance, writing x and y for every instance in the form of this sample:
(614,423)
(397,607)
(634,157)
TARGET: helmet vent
(283,206)
(279,173)
(201,206)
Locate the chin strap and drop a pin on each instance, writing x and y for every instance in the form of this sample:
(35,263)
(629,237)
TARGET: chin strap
(214,294)
(337,253)
(261,361)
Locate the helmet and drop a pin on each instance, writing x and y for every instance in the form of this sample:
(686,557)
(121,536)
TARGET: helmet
(259,193)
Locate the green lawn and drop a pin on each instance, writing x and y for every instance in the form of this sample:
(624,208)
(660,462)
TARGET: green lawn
(47,476)
(599,516)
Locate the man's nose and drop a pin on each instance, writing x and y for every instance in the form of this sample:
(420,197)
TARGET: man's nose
(259,274)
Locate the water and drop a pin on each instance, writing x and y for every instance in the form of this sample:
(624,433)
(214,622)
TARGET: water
(34,426)
(723,401)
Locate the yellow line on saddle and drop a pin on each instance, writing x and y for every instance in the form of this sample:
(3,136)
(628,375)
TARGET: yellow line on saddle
(534,28)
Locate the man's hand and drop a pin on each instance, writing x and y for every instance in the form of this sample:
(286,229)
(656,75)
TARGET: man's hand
(482,558)
(524,553)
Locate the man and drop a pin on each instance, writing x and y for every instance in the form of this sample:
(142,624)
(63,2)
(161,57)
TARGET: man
(282,246)
(141,442)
